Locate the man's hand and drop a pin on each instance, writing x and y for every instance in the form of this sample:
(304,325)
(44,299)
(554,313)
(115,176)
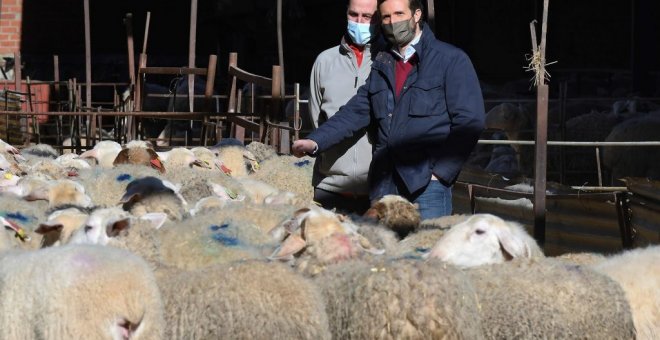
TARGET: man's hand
(303,147)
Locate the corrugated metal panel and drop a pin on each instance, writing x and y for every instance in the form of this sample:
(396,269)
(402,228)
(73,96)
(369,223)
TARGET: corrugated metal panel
(644,210)
(575,221)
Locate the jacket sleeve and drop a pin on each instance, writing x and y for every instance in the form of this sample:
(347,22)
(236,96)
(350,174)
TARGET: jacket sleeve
(351,118)
(315,96)
(466,110)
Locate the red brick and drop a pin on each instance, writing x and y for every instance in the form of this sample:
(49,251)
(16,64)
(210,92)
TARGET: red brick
(9,29)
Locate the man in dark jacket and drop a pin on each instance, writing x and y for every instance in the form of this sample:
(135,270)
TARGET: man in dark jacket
(423,105)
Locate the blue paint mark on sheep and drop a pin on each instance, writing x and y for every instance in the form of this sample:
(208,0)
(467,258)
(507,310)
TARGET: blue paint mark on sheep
(18,216)
(123,177)
(302,163)
(216,227)
(226,240)
(421,250)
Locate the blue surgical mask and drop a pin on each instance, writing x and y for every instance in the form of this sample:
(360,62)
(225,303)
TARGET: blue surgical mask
(360,33)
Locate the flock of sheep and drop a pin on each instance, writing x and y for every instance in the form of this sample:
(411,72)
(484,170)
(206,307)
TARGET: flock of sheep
(123,242)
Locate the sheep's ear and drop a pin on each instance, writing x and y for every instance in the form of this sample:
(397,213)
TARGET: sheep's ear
(48,227)
(114,229)
(288,248)
(122,157)
(364,244)
(511,245)
(93,153)
(134,197)
(157,219)
(155,161)
(219,190)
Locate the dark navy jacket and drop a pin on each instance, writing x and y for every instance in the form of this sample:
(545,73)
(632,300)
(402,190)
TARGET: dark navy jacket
(431,128)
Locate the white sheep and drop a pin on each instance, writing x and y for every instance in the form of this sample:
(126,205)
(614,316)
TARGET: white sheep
(78,292)
(638,273)
(242,300)
(484,239)
(183,158)
(104,152)
(399,299)
(543,298)
(288,173)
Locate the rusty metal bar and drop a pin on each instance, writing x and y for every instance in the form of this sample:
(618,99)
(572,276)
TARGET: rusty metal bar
(146,33)
(17,70)
(250,77)
(568,143)
(174,70)
(191,53)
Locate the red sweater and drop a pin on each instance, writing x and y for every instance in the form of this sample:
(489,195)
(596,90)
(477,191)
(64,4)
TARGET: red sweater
(401,72)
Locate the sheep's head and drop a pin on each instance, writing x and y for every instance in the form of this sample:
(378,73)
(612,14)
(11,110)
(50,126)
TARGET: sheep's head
(182,157)
(60,226)
(101,225)
(322,236)
(483,239)
(139,156)
(102,150)
(66,191)
(396,213)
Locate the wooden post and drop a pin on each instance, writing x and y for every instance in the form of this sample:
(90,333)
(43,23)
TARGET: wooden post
(430,18)
(280,45)
(276,96)
(208,95)
(88,71)
(191,53)
(128,21)
(56,78)
(540,162)
(146,33)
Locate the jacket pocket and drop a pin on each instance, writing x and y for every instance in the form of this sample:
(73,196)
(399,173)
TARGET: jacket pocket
(380,96)
(427,98)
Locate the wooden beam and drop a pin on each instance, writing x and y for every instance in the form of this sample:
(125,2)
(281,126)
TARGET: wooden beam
(192,42)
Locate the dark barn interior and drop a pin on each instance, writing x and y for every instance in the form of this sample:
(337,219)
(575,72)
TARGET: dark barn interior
(605,52)
(611,36)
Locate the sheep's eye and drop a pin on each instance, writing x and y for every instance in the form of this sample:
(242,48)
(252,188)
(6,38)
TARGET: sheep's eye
(88,228)
(479,231)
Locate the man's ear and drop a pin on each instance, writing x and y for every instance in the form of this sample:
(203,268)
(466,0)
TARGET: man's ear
(418,16)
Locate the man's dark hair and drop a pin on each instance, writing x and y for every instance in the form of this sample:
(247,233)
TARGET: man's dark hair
(412,4)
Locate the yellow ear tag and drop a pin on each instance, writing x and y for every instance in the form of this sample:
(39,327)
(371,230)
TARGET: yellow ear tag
(8,175)
(20,233)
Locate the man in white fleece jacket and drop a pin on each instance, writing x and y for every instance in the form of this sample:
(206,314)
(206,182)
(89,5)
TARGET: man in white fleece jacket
(340,174)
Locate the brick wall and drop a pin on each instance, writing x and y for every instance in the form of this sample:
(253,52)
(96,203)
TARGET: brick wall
(10,26)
